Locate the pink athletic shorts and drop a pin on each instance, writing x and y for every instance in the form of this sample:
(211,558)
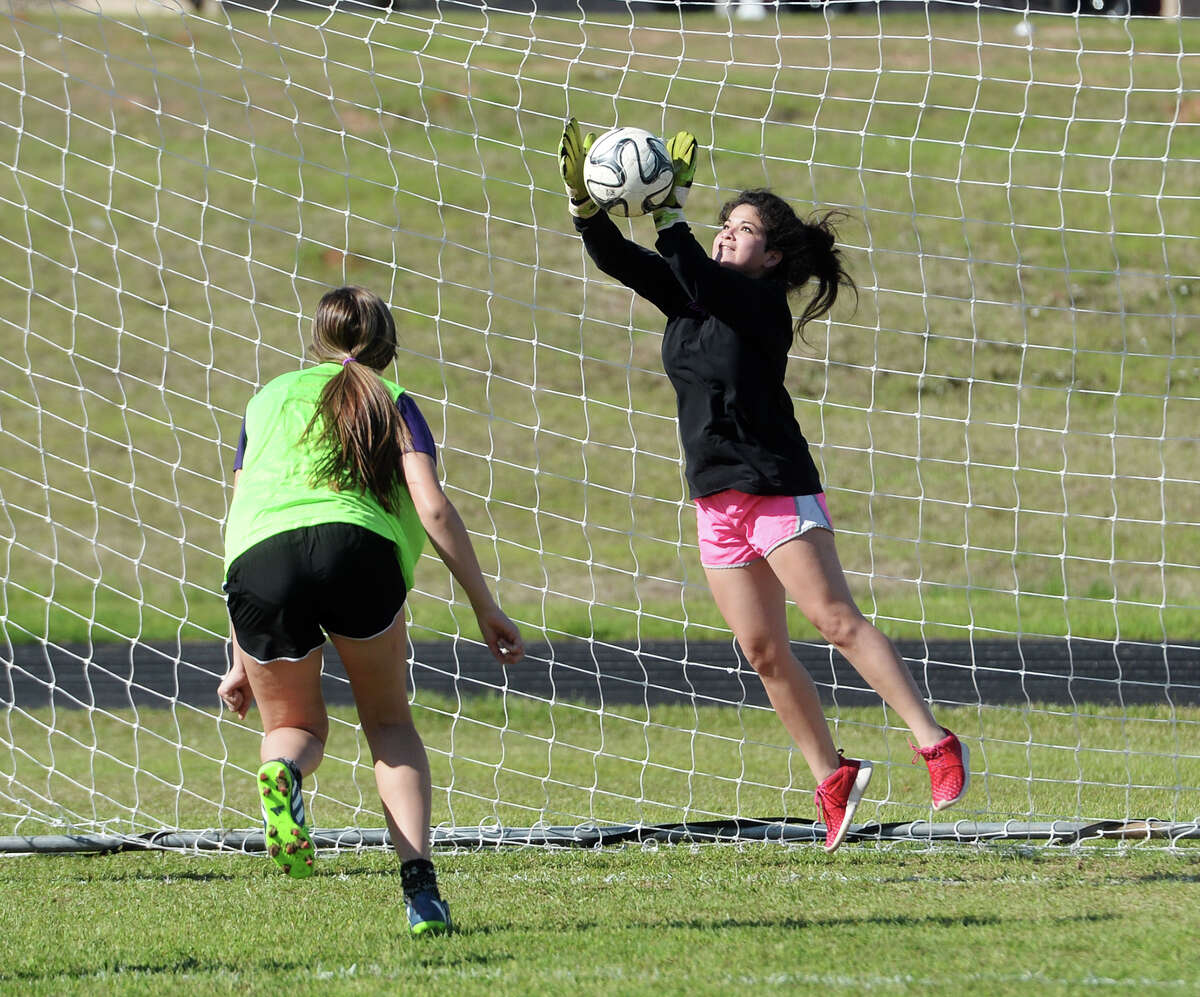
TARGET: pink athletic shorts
(737,529)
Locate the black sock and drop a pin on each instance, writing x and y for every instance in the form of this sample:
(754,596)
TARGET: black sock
(417,875)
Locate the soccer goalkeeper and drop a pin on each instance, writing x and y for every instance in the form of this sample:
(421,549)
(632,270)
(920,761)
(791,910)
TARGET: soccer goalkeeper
(764,528)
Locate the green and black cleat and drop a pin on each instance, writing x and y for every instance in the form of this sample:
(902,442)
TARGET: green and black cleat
(287,839)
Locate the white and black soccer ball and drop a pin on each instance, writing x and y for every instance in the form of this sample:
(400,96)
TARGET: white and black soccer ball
(628,172)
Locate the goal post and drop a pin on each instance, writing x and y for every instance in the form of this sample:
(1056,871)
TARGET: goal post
(1005,422)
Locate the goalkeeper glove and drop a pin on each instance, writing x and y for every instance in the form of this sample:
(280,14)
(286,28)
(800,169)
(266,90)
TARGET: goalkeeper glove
(682,149)
(572,151)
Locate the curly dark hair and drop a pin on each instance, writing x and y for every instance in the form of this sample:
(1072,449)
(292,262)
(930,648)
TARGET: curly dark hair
(808,249)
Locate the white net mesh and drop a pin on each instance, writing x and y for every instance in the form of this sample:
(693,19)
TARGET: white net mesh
(1005,424)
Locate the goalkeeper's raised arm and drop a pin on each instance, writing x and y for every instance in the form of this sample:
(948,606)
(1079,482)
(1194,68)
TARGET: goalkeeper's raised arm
(764,527)
(640,269)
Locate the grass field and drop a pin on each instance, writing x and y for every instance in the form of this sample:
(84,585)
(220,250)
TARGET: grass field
(1004,423)
(1006,426)
(503,760)
(706,921)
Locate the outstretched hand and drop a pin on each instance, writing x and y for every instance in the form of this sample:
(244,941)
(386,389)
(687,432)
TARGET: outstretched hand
(683,150)
(572,152)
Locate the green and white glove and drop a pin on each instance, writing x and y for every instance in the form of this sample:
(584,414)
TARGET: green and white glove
(572,151)
(682,149)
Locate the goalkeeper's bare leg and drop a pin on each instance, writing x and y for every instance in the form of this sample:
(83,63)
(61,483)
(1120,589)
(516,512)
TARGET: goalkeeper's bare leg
(754,604)
(810,570)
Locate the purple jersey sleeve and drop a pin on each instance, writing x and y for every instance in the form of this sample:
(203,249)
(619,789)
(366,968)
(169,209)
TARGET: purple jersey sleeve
(418,429)
(241,448)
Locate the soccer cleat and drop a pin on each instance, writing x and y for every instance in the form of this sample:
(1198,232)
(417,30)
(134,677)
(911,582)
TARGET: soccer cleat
(288,841)
(949,770)
(838,796)
(428,914)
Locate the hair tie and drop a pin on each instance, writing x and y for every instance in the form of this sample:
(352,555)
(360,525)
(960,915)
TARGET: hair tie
(348,360)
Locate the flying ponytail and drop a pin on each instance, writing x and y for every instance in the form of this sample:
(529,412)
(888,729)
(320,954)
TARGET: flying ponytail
(808,250)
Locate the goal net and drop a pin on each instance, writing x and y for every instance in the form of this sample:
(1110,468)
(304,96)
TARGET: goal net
(1006,422)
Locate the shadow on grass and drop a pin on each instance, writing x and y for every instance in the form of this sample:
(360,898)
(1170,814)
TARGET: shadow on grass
(440,958)
(250,868)
(444,959)
(163,877)
(170,967)
(1161,877)
(797,923)
(891,921)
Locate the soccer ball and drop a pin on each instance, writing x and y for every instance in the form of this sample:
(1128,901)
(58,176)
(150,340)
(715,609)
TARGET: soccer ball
(628,172)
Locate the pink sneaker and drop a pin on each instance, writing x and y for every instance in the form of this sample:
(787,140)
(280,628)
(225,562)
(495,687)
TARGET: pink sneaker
(837,798)
(949,770)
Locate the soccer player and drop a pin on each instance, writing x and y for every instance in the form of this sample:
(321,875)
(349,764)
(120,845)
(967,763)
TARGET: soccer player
(764,529)
(335,491)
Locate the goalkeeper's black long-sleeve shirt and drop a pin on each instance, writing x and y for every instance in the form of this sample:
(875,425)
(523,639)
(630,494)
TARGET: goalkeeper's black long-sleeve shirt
(725,350)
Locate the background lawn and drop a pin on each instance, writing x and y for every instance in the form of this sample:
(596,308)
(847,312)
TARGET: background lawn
(1005,423)
(705,921)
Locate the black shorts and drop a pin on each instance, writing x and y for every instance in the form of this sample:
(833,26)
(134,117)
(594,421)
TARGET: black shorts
(286,592)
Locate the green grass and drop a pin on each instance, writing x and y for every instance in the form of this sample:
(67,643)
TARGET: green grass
(170,210)
(502,759)
(1014,364)
(713,920)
